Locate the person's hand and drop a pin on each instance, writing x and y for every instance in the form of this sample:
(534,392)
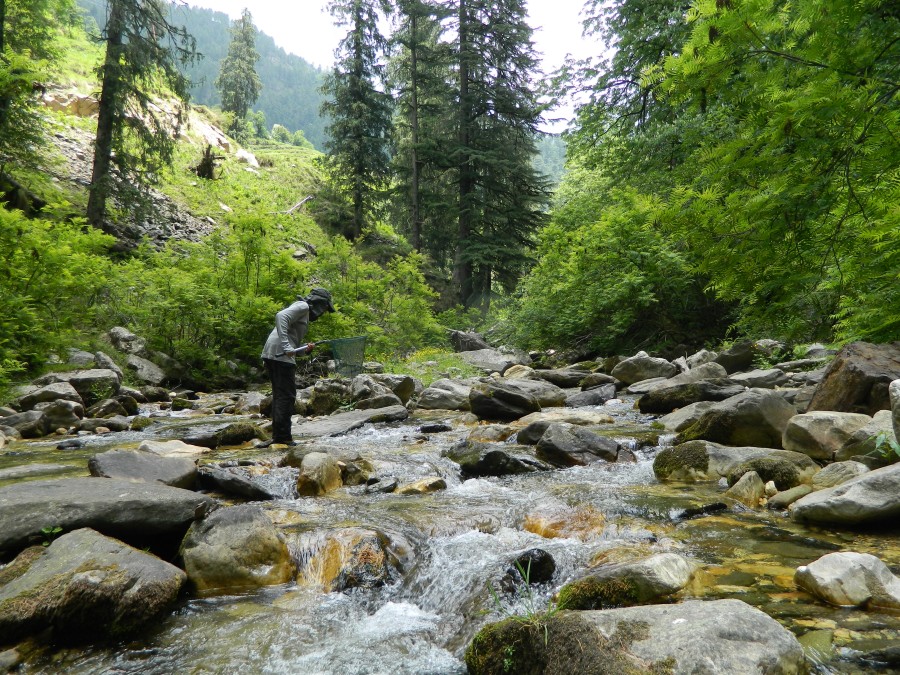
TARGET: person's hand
(310,346)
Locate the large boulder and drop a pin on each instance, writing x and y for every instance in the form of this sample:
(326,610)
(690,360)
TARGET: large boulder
(547,394)
(707,371)
(702,460)
(92,385)
(837,473)
(762,378)
(640,367)
(28,424)
(870,499)
(895,407)
(757,417)
(563,377)
(366,393)
(60,414)
(235,548)
(582,417)
(235,481)
(402,386)
(738,357)
(84,586)
(136,513)
(127,342)
(749,490)
(173,448)
(628,583)
(849,579)
(591,397)
(463,341)
(445,395)
(666,398)
(342,423)
(718,636)
(145,370)
(49,392)
(493,360)
(319,474)
(821,434)
(144,467)
(566,445)
(477,459)
(495,400)
(858,379)
(682,418)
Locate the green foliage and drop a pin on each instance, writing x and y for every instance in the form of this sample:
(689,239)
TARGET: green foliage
(430,364)
(886,446)
(238,83)
(606,278)
(50,532)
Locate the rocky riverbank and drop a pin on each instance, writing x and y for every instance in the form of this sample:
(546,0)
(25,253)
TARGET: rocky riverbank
(181,504)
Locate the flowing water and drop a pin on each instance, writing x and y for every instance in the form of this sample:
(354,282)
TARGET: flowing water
(453,545)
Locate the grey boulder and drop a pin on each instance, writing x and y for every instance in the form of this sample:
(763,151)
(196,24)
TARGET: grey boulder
(640,367)
(849,579)
(565,445)
(757,417)
(144,467)
(869,499)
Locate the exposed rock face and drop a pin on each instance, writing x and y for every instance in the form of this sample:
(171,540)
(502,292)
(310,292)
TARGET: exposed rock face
(467,342)
(494,400)
(133,512)
(721,636)
(666,398)
(629,583)
(850,579)
(144,467)
(871,498)
(858,378)
(757,417)
(640,367)
(478,459)
(445,395)
(822,434)
(85,586)
(493,360)
(234,548)
(571,445)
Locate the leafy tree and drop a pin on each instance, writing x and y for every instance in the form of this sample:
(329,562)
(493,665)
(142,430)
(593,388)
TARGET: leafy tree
(238,83)
(360,111)
(134,138)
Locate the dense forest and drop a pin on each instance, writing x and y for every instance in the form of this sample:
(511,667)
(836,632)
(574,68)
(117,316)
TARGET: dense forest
(733,169)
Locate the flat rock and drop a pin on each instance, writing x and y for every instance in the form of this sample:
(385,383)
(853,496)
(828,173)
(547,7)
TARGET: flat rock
(133,512)
(763,378)
(582,417)
(445,395)
(180,472)
(668,397)
(235,482)
(837,473)
(592,397)
(342,423)
(86,586)
(173,448)
(496,400)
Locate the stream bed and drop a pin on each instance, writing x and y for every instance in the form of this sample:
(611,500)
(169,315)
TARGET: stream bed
(454,545)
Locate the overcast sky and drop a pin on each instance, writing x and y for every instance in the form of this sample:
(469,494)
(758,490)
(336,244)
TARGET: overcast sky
(303,27)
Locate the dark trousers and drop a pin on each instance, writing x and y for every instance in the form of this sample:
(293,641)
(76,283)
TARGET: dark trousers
(284,398)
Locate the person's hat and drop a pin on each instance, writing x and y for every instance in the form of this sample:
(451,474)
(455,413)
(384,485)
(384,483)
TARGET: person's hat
(321,296)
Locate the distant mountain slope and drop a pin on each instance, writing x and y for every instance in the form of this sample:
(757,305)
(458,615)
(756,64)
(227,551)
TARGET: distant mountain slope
(290,94)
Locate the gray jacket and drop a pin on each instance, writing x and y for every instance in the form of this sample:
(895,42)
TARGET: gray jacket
(290,329)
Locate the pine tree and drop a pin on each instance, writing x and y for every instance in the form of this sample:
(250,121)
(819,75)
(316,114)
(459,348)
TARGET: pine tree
(238,83)
(134,139)
(360,111)
(501,197)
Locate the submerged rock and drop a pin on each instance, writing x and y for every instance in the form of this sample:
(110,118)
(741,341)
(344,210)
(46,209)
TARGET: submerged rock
(477,459)
(84,586)
(353,557)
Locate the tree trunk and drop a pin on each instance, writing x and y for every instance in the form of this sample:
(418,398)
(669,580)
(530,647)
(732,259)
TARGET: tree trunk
(109,92)
(462,268)
(414,129)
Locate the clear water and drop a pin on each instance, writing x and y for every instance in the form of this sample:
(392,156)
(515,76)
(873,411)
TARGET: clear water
(456,543)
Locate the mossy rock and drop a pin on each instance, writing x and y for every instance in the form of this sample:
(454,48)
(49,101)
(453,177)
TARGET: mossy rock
(182,404)
(596,593)
(782,472)
(563,644)
(688,461)
(141,422)
(238,433)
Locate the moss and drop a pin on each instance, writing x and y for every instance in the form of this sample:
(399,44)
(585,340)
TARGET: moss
(598,593)
(21,564)
(692,456)
(141,422)
(562,644)
(782,472)
(238,433)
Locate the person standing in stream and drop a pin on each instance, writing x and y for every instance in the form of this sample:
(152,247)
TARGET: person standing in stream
(283,344)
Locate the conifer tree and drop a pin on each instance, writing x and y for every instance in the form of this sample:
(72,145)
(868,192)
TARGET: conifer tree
(238,83)
(134,138)
(359,109)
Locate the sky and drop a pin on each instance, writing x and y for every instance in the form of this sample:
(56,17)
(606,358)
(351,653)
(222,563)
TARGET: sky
(304,28)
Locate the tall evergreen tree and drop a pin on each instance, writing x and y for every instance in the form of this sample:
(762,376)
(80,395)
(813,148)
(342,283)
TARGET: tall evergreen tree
(501,197)
(238,83)
(360,110)
(133,139)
